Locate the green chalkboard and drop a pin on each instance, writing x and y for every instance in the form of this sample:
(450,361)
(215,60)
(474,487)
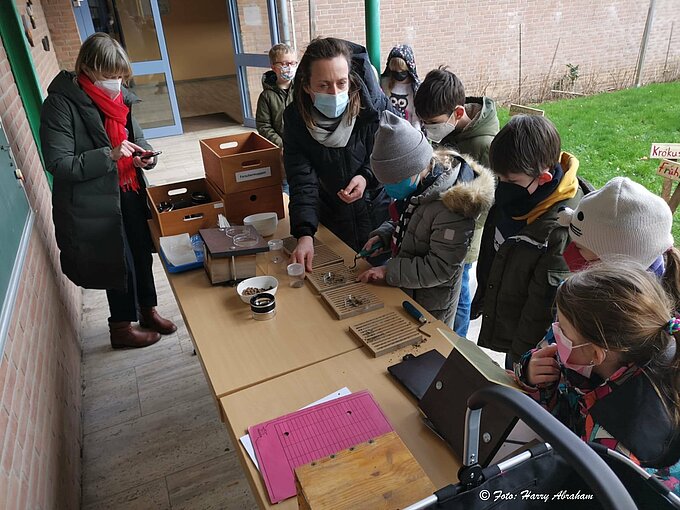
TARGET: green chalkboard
(16,219)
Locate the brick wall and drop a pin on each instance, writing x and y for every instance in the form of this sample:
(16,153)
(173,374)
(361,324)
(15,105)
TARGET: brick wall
(479,39)
(64,31)
(40,390)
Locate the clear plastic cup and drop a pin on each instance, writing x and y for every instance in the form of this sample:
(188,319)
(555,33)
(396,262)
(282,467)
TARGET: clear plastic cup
(277,259)
(296,275)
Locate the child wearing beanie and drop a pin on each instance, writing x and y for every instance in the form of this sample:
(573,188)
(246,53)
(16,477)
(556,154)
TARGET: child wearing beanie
(437,196)
(624,219)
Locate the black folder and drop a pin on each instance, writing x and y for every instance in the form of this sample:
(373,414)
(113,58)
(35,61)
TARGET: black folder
(416,373)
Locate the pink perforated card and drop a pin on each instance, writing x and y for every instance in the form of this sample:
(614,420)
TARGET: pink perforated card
(306,435)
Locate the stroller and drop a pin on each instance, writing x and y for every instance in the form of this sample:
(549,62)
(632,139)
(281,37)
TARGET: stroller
(562,473)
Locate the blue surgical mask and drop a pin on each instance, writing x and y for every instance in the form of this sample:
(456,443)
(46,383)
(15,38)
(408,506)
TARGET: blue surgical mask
(331,105)
(402,189)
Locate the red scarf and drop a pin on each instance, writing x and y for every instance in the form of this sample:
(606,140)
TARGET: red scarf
(115,118)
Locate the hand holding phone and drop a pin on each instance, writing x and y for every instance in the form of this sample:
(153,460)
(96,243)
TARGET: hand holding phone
(147,154)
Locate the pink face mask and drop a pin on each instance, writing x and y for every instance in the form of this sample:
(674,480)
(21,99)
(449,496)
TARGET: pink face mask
(564,348)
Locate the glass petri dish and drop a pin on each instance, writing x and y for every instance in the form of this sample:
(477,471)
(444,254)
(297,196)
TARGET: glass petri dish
(235,230)
(247,240)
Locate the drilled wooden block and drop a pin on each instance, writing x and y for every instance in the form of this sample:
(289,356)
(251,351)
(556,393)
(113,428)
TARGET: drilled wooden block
(332,276)
(351,300)
(386,333)
(380,474)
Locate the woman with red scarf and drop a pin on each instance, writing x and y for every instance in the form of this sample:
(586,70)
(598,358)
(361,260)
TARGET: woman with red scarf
(92,145)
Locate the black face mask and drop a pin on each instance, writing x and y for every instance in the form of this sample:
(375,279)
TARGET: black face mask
(511,194)
(400,75)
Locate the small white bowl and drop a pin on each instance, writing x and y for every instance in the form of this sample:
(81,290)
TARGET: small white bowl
(258,282)
(264,223)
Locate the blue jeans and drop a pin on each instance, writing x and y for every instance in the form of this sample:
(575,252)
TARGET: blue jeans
(462,321)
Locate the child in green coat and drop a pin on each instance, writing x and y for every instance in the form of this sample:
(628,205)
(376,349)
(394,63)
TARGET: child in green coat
(277,93)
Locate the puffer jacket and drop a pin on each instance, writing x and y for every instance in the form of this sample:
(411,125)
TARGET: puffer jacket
(86,196)
(270,106)
(316,173)
(516,285)
(429,263)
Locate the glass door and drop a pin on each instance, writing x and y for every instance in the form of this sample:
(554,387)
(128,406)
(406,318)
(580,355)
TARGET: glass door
(255,30)
(137,26)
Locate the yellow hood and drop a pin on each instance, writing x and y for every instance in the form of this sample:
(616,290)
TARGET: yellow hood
(566,189)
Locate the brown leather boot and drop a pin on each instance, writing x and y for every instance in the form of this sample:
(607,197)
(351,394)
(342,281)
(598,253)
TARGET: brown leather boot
(124,334)
(152,320)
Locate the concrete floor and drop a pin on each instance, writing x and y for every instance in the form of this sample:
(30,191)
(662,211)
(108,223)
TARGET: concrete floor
(152,435)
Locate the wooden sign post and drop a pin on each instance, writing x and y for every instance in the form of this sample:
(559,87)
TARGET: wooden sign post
(669,170)
(517,109)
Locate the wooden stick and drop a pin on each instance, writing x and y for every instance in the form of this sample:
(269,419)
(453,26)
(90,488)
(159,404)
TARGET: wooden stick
(666,188)
(675,199)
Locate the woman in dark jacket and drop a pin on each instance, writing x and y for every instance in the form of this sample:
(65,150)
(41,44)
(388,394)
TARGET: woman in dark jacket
(327,143)
(95,150)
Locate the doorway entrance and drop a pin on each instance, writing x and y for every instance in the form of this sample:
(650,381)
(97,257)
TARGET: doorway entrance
(190,59)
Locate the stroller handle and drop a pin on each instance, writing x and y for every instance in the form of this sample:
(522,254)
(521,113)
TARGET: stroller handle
(605,484)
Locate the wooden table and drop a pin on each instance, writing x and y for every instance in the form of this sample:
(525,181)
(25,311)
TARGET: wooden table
(357,370)
(238,352)
(262,370)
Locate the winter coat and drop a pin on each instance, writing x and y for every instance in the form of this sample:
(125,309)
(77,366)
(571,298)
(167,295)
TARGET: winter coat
(475,139)
(516,285)
(270,106)
(624,413)
(316,173)
(86,195)
(429,263)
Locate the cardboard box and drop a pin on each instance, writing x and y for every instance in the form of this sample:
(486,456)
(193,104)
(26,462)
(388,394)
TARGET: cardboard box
(239,205)
(242,162)
(186,219)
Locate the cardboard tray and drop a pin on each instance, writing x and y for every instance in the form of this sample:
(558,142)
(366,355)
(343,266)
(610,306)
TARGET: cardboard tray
(188,219)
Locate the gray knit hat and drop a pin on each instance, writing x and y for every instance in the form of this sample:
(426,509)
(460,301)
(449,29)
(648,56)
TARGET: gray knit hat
(399,150)
(621,218)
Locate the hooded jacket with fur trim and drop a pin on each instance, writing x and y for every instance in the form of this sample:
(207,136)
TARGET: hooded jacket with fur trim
(430,259)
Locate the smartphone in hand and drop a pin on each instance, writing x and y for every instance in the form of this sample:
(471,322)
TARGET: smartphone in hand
(147,154)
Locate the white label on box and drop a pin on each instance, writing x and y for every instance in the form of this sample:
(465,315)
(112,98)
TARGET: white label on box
(251,175)
(218,205)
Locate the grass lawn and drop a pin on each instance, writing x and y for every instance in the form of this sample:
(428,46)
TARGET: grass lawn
(611,133)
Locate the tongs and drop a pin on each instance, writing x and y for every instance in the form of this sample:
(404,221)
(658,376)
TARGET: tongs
(378,245)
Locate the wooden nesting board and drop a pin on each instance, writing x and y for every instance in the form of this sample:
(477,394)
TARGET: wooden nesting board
(380,474)
(338,300)
(289,244)
(386,333)
(341,276)
(323,255)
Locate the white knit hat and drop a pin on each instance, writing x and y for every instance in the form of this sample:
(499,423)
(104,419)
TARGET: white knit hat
(621,218)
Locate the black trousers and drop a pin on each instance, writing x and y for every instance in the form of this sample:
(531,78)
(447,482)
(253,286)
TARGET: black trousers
(141,289)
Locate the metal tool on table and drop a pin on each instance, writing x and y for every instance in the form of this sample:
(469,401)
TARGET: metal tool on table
(378,245)
(418,315)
